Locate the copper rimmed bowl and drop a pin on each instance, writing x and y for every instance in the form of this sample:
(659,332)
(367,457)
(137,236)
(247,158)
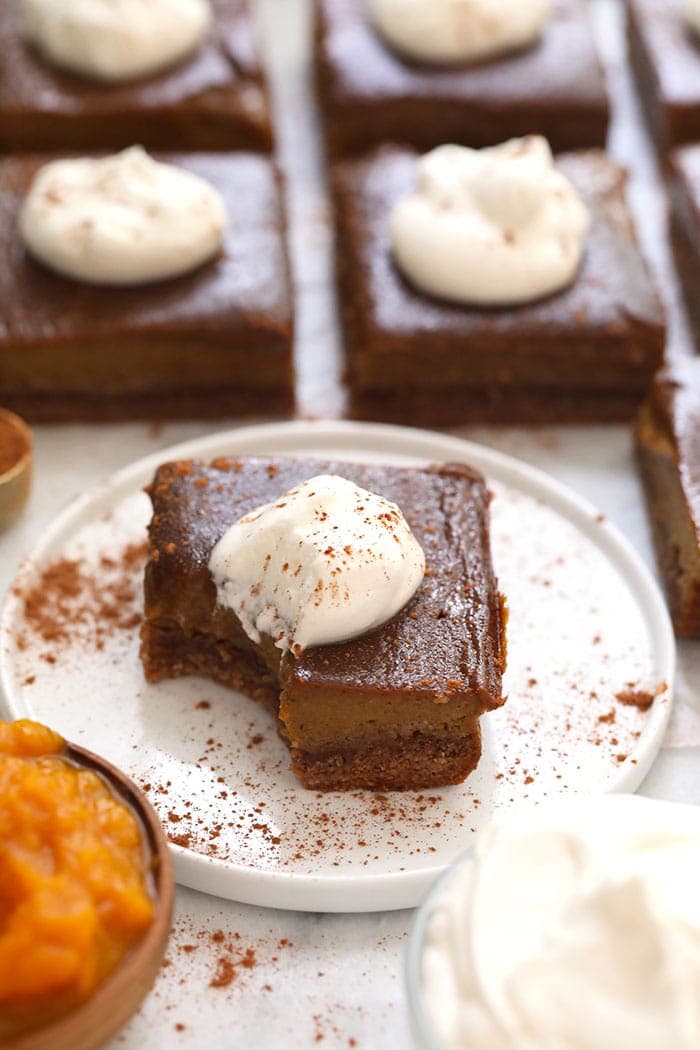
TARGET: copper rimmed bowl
(16,475)
(89,1025)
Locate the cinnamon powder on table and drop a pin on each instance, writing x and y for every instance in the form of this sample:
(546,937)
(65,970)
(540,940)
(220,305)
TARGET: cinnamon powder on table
(13,445)
(226,955)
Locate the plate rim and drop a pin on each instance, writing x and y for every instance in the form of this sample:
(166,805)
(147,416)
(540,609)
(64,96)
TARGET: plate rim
(399,889)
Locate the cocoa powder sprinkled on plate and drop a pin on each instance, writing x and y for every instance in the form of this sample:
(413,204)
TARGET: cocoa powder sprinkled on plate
(71,602)
(642,699)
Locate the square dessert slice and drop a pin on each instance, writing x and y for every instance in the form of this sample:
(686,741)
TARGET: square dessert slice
(668,448)
(398,707)
(684,188)
(215,99)
(215,342)
(585,354)
(370,95)
(665,57)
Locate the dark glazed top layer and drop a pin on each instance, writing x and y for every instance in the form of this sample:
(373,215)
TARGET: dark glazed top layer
(448,640)
(607,324)
(562,69)
(673,49)
(674,405)
(226,61)
(244,293)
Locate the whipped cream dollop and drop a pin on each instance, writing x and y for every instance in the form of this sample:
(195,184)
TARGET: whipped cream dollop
(491,227)
(114,40)
(326,562)
(122,220)
(452,32)
(576,926)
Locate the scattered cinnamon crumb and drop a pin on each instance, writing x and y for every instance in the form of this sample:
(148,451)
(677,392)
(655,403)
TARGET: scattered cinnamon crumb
(224,975)
(181,840)
(639,698)
(227,967)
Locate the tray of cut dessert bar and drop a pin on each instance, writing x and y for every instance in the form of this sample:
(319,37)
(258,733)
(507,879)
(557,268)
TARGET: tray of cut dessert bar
(536,657)
(259,796)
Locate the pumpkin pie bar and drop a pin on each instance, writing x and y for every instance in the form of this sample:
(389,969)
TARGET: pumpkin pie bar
(215,342)
(684,186)
(585,354)
(396,708)
(214,100)
(665,56)
(370,95)
(668,448)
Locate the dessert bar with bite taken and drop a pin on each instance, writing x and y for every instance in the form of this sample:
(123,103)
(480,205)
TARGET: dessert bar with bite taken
(361,700)
(668,448)
(494,285)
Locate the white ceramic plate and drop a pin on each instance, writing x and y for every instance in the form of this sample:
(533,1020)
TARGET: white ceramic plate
(587,624)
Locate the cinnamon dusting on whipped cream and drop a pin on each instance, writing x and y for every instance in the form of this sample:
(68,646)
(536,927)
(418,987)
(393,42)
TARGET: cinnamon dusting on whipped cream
(327,562)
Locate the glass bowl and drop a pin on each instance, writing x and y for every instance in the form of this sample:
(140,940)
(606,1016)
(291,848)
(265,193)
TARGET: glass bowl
(424,1033)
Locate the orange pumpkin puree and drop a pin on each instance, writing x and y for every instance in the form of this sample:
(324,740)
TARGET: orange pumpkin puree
(74,893)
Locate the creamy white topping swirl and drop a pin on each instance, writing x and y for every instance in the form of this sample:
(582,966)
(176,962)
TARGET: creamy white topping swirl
(114,40)
(122,220)
(490,227)
(458,31)
(326,562)
(575,927)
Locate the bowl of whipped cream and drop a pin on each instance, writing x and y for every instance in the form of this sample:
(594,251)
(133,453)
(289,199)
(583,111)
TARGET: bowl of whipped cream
(573,925)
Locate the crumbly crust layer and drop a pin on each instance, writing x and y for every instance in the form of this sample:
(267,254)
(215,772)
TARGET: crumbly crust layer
(495,403)
(419,763)
(219,403)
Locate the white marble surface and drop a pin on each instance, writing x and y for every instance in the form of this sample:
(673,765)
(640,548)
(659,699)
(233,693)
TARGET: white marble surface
(336,981)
